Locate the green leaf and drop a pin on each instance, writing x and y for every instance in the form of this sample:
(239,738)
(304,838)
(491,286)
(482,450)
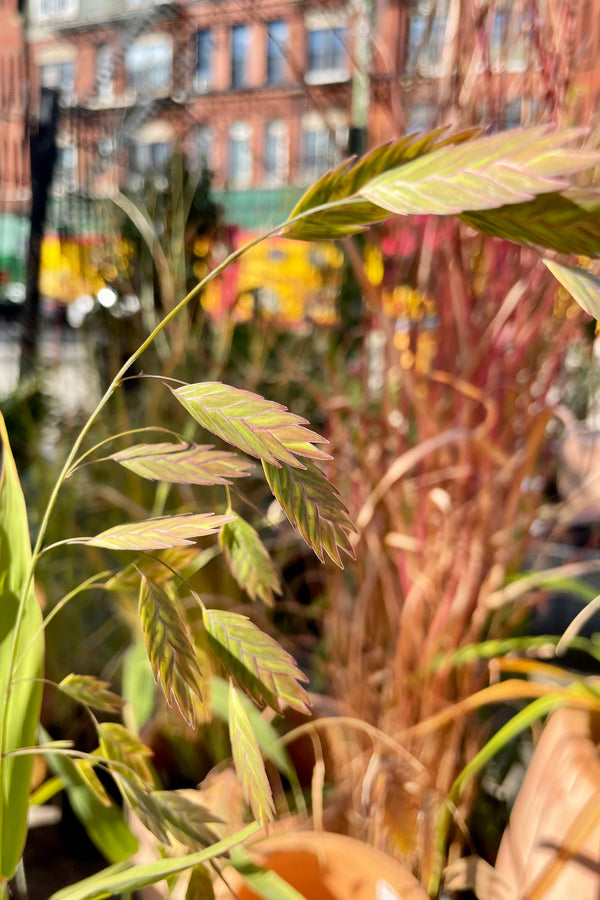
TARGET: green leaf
(138,685)
(345,181)
(171,651)
(103,823)
(256,661)
(259,427)
(491,171)
(20,692)
(158,533)
(313,506)
(582,286)
(248,561)
(92,692)
(567,222)
(183,463)
(131,755)
(117,879)
(248,761)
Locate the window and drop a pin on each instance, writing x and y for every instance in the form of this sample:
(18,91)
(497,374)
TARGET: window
(276,152)
(508,41)
(202,151)
(48,9)
(204,60)
(240,44)
(149,63)
(150,157)
(327,58)
(277,47)
(60,76)
(322,146)
(104,72)
(65,178)
(239,155)
(426,38)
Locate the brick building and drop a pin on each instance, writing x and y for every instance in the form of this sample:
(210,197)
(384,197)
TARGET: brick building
(269,93)
(15,192)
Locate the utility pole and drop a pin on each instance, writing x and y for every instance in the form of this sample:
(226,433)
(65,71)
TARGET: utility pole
(42,148)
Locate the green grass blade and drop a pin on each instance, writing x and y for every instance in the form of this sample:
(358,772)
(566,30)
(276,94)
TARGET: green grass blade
(116,879)
(20,699)
(533,712)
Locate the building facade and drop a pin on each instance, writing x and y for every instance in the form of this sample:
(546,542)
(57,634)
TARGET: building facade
(268,94)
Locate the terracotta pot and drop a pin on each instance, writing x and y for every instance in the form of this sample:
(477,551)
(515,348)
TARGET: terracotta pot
(551,848)
(327,866)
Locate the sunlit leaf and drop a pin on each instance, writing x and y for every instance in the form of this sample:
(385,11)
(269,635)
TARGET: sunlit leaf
(345,180)
(509,167)
(130,753)
(259,427)
(248,761)
(86,769)
(248,561)
(568,221)
(92,692)
(20,688)
(183,463)
(171,651)
(582,286)
(158,533)
(256,661)
(313,506)
(120,879)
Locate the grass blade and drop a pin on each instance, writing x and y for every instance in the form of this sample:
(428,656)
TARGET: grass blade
(20,699)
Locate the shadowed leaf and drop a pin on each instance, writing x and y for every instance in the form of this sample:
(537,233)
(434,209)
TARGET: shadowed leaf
(485,173)
(171,651)
(158,533)
(200,886)
(248,561)
(582,286)
(568,222)
(256,661)
(92,692)
(186,818)
(313,506)
(259,427)
(171,816)
(248,761)
(183,463)
(128,751)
